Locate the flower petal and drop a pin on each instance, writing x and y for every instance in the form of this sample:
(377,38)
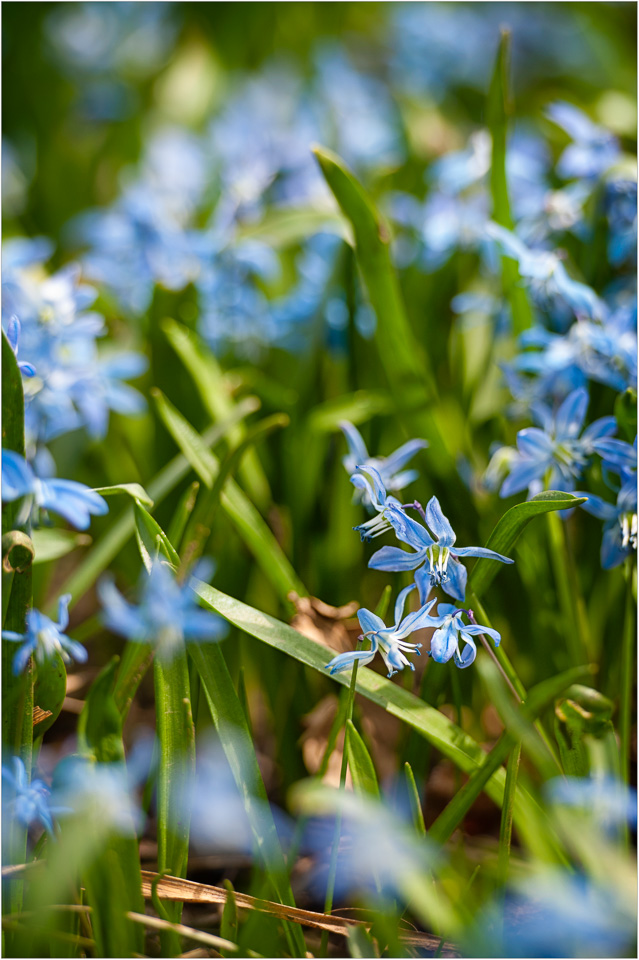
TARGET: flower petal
(439,524)
(571,414)
(395,559)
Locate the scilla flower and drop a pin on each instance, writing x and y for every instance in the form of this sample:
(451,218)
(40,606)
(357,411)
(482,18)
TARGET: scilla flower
(376,495)
(73,501)
(29,802)
(450,630)
(390,469)
(436,556)
(44,638)
(390,641)
(167,616)
(13,336)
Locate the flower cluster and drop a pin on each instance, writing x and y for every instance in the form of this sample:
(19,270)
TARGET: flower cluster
(434,557)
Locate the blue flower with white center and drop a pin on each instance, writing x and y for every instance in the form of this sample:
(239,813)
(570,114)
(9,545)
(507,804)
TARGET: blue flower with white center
(556,455)
(390,641)
(167,616)
(29,802)
(390,469)
(594,149)
(618,457)
(546,276)
(376,495)
(44,638)
(450,630)
(435,558)
(73,501)
(13,336)
(620,523)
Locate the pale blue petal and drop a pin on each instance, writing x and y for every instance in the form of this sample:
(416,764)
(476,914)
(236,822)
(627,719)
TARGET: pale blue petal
(612,552)
(480,552)
(356,446)
(438,523)
(455,586)
(345,660)
(408,530)
(597,506)
(424,584)
(395,559)
(535,443)
(474,629)
(521,476)
(468,654)
(380,490)
(571,414)
(402,455)
(416,621)
(17,476)
(443,643)
(370,622)
(400,603)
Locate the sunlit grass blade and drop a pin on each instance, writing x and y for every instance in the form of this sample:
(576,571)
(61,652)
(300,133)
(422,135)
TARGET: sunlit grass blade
(151,539)
(360,762)
(209,380)
(508,529)
(248,521)
(50,544)
(414,800)
(134,490)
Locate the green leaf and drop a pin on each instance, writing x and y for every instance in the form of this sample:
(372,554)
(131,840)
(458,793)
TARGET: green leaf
(360,763)
(50,544)
(134,490)
(415,801)
(50,690)
(626,414)
(176,769)
(509,528)
(210,383)
(136,660)
(355,407)
(401,354)
(229,924)
(232,728)
(100,723)
(498,109)
(538,699)
(182,513)
(244,516)
(151,538)
(283,227)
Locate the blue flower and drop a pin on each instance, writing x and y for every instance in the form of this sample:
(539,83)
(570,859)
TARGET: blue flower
(546,276)
(29,801)
(621,205)
(594,149)
(13,336)
(168,614)
(73,501)
(437,558)
(101,793)
(44,638)
(390,469)
(390,641)
(450,630)
(558,449)
(620,523)
(610,802)
(375,495)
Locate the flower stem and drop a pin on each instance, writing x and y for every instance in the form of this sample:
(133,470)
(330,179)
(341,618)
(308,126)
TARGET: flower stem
(627,670)
(332,869)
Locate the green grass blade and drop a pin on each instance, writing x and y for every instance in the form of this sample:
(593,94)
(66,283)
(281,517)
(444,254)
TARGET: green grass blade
(109,545)
(498,110)
(245,517)
(209,380)
(232,728)
(415,801)
(360,762)
(508,529)
(151,538)
(134,490)
(52,544)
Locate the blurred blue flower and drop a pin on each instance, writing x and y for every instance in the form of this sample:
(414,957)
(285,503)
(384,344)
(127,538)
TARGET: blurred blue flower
(390,469)
(73,501)
(610,802)
(44,638)
(556,455)
(594,149)
(100,793)
(29,802)
(556,913)
(436,556)
(13,336)
(546,276)
(390,641)
(621,210)
(450,629)
(620,523)
(167,616)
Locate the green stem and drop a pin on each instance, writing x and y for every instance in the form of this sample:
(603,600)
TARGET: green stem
(627,671)
(506,826)
(332,870)
(565,575)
